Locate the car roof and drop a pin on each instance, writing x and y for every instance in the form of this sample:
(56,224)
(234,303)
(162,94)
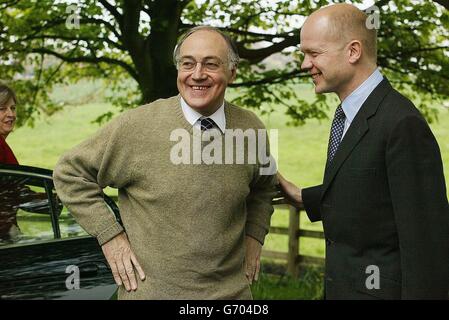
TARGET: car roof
(26,169)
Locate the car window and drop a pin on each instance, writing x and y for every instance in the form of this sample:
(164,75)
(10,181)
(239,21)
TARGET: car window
(26,213)
(25,210)
(67,224)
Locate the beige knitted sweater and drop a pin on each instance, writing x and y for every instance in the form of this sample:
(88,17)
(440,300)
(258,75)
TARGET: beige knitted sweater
(186,223)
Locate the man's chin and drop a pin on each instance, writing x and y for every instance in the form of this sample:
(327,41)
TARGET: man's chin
(321,89)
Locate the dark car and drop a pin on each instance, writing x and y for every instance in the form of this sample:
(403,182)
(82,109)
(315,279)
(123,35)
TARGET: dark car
(44,253)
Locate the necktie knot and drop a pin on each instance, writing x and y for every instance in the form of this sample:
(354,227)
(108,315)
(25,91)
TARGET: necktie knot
(206,123)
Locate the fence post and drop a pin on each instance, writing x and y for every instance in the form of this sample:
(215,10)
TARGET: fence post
(293,242)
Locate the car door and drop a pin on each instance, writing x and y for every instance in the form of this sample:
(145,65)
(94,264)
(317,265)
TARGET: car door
(44,253)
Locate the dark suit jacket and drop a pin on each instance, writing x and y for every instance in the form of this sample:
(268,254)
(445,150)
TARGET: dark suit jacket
(383,202)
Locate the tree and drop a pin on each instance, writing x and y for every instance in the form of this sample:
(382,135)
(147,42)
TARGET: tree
(43,43)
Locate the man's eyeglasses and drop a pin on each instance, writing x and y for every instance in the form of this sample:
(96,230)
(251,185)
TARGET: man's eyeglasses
(209,64)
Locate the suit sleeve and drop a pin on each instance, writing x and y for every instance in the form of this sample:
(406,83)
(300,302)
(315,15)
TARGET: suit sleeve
(311,199)
(421,211)
(82,173)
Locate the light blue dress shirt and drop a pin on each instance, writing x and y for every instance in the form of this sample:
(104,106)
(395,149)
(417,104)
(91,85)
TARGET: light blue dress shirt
(352,103)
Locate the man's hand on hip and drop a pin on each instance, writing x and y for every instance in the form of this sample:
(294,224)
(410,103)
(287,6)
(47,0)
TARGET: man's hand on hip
(252,261)
(122,261)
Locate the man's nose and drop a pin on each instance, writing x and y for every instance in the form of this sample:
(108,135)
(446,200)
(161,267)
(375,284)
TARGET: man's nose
(306,64)
(198,73)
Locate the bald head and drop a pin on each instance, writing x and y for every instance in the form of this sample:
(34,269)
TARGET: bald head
(345,22)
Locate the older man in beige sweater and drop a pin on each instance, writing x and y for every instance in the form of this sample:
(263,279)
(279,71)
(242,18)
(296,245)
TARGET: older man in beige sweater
(193,231)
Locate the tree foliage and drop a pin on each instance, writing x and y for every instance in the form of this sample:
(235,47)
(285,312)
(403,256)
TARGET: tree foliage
(125,42)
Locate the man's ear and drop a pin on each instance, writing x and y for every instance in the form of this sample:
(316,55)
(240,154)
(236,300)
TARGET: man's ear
(233,75)
(355,51)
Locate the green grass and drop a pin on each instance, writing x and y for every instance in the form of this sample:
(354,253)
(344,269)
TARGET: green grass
(309,286)
(42,145)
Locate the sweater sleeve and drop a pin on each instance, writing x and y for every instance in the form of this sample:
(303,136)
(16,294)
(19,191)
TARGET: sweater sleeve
(262,191)
(259,206)
(82,173)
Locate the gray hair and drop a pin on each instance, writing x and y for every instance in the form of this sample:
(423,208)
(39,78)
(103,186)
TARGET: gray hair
(233,55)
(6,94)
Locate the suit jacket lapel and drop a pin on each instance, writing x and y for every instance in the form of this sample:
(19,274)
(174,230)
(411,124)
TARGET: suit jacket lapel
(356,131)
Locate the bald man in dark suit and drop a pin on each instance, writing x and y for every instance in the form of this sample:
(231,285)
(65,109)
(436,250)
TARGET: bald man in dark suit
(383,199)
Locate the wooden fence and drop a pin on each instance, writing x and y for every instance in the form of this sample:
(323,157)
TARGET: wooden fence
(293,257)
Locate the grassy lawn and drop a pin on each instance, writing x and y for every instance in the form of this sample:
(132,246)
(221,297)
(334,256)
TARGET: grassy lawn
(309,286)
(302,152)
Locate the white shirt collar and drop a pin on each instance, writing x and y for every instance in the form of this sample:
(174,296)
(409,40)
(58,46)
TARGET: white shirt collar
(192,116)
(352,104)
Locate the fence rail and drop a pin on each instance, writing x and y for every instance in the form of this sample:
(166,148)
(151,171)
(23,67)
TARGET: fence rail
(293,257)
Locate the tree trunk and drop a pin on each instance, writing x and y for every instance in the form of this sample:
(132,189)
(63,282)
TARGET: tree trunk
(153,55)
(157,79)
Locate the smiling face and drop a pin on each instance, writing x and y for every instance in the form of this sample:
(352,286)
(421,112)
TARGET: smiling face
(7,117)
(203,87)
(325,56)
